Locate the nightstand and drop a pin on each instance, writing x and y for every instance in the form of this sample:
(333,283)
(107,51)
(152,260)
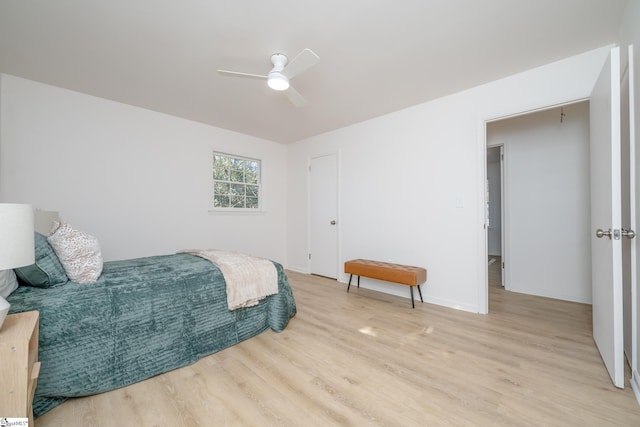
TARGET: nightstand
(20,367)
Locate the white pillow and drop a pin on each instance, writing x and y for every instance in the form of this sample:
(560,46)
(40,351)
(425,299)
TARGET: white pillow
(79,252)
(8,283)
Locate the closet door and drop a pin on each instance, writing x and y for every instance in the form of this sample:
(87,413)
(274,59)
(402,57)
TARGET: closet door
(606,218)
(323,252)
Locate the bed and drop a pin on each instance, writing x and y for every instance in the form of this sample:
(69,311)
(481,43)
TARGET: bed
(142,317)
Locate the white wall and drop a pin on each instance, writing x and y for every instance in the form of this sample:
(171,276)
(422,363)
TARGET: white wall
(136,179)
(412,182)
(548,241)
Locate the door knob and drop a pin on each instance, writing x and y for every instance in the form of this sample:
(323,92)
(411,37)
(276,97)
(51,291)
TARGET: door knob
(629,233)
(333,222)
(600,233)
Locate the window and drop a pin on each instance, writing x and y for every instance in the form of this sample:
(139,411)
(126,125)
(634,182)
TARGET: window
(236,182)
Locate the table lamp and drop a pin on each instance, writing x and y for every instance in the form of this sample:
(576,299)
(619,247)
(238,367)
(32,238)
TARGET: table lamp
(16,243)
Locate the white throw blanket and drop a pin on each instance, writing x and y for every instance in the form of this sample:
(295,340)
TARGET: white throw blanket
(249,279)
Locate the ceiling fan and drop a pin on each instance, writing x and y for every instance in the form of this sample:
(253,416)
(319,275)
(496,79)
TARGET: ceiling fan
(283,71)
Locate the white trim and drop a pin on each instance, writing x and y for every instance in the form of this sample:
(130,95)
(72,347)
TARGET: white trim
(236,211)
(340,270)
(633,225)
(308,263)
(506,218)
(384,287)
(482,268)
(296,269)
(635,385)
(496,117)
(450,304)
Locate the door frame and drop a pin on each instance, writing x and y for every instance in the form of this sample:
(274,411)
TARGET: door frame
(483,289)
(634,159)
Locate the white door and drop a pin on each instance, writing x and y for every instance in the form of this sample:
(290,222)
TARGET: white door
(323,254)
(606,250)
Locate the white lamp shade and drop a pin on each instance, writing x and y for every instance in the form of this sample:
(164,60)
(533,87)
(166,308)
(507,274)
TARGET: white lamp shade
(277,81)
(16,236)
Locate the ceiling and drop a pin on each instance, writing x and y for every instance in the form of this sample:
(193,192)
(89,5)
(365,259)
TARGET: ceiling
(376,56)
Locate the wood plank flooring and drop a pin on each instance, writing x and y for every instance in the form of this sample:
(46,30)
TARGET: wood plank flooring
(367,359)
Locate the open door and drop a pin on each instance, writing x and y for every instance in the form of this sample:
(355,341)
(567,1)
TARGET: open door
(606,218)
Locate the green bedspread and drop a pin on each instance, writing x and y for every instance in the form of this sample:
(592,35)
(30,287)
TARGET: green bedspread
(141,318)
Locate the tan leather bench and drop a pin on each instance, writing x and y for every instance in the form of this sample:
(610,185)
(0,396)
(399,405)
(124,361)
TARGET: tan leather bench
(396,273)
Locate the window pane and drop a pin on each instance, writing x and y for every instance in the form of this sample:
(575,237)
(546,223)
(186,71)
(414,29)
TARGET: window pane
(221,188)
(251,174)
(252,191)
(221,201)
(237,190)
(237,170)
(237,175)
(236,201)
(252,202)
(221,167)
(221,174)
(219,161)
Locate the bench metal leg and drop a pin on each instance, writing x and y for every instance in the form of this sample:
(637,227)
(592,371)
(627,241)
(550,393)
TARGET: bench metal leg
(349,285)
(412,303)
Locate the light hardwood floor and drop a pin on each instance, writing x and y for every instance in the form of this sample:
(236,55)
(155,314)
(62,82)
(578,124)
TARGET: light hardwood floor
(366,358)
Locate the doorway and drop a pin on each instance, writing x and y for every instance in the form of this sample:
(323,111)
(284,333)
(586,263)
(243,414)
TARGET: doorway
(605,163)
(545,244)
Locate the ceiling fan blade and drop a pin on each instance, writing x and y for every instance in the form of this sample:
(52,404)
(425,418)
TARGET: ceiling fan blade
(238,74)
(295,97)
(305,60)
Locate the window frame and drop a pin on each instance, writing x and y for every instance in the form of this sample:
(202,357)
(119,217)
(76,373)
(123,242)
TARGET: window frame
(229,209)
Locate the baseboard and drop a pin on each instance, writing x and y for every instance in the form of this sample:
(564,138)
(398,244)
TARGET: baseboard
(635,385)
(401,291)
(296,269)
(397,290)
(452,304)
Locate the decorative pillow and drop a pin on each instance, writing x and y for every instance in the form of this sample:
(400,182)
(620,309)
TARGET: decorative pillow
(78,252)
(47,271)
(8,283)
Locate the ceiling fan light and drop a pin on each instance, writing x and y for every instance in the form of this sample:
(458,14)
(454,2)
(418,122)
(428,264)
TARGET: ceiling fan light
(278,81)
